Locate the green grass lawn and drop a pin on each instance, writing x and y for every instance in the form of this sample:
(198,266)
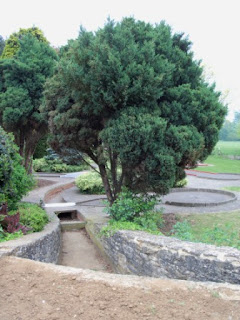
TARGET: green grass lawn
(221,229)
(221,165)
(231,148)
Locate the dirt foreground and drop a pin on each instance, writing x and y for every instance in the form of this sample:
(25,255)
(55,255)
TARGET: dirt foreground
(36,291)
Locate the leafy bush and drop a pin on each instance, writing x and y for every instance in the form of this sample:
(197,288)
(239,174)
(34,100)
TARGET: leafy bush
(90,183)
(11,223)
(32,216)
(180,184)
(132,212)
(40,165)
(129,206)
(14,181)
(4,236)
(56,165)
(29,218)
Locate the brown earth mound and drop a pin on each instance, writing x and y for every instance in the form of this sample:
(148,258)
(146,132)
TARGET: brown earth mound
(30,290)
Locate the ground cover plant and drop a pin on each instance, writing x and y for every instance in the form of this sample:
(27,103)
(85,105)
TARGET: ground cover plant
(27,218)
(221,229)
(131,96)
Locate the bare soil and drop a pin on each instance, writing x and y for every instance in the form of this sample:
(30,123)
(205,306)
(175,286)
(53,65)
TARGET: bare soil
(30,290)
(169,220)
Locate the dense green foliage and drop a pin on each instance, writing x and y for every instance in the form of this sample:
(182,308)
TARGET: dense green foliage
(45,165)
(32,216)
(12,44)
(90,183)
(4,236)
(22,78)
(41,148)
(2,44)
(132,212)
(132,98)
(128,206)
(14,181)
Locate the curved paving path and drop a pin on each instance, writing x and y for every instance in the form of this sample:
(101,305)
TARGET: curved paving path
(92,205)
(213,176)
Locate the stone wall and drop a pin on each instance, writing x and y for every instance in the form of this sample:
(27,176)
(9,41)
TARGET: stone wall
(159,256)
(41,246)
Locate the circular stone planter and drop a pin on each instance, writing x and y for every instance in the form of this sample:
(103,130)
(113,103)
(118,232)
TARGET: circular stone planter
(194,197)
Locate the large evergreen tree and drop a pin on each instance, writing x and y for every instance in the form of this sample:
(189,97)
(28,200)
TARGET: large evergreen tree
(12,44)
(22,78)
(132,98)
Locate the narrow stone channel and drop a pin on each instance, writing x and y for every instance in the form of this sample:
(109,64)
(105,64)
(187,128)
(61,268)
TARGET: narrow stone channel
(77,249)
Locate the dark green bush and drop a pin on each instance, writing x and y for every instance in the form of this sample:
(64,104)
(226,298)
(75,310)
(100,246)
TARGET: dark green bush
(90,183)
(14,181)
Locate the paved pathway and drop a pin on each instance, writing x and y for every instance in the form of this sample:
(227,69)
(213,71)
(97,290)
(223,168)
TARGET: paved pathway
(91,206)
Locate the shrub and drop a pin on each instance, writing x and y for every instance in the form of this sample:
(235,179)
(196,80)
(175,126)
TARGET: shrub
(32,216)
(129,206)
(14,181)
(46,165)
(90,183)
(180,184)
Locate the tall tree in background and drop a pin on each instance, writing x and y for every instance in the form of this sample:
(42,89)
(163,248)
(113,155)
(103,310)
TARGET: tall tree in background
(22,78)
(12,44)
(2,44)
(132,98)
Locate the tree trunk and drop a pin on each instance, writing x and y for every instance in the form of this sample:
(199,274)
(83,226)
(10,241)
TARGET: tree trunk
(106,183)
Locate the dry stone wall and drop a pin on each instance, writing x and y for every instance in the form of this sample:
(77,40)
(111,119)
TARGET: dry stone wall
(41,246)
(159,256)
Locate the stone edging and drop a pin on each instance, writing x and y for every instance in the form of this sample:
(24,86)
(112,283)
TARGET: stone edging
(207,204)
(143,254)
(41,246)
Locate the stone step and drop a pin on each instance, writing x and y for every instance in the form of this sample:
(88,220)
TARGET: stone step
(72,225)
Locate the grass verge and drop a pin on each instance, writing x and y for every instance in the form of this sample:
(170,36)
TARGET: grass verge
(237,189)
(221,165)
(221,229)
